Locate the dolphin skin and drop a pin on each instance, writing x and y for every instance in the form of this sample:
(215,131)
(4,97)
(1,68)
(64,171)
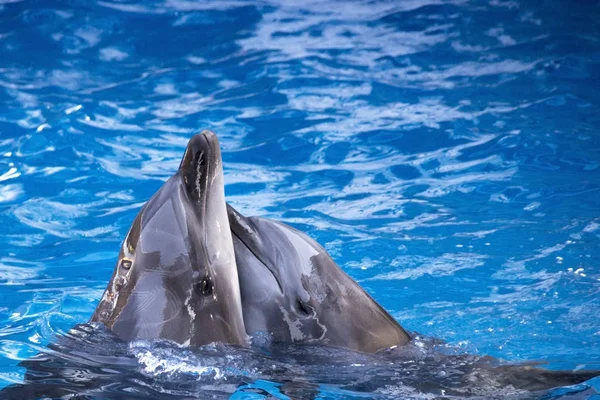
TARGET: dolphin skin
(293,290)
(176,276)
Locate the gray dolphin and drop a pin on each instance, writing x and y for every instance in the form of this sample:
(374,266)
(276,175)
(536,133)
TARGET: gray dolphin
(293,290)
(176,276)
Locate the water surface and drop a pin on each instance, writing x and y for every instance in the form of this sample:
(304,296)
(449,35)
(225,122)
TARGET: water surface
(445,153)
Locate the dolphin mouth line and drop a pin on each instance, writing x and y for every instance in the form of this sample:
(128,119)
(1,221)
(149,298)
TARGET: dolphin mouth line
(259,259)
(204,196)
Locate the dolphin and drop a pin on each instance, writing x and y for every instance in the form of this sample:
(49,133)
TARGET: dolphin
(176,276)
(293,290)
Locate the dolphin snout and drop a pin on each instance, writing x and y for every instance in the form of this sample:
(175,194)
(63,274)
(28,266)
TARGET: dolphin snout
(199,150)
(200,165)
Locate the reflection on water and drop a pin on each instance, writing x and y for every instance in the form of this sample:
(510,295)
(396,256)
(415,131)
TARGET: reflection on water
(445,153)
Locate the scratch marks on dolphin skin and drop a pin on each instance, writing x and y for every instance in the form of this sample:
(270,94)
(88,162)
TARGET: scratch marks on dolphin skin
(212,181)
(123,271)
(294,326)
(190,310)
(199,173)
(316,319)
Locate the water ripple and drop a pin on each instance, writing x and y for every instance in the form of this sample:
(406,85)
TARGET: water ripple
(445,152)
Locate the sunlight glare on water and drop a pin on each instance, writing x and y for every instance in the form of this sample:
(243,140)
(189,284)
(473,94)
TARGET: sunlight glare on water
(446,154)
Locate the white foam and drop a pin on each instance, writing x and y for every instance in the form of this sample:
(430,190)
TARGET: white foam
(158,364)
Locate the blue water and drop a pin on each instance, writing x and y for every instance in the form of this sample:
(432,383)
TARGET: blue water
(446,154)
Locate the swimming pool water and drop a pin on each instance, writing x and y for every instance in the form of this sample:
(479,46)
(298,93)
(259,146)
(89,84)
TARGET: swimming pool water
(447,154)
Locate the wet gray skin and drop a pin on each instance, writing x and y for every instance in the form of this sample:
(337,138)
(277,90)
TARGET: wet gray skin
(293,290)
(176,276)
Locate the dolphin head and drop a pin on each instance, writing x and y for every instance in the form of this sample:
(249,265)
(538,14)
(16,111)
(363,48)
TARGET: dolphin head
(293,290)
(176,276)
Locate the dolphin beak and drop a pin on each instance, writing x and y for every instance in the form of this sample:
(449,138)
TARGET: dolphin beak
(202,158)
(198,146)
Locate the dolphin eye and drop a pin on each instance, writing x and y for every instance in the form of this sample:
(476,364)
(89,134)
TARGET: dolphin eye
(303,308)
(126,264)
(205,287)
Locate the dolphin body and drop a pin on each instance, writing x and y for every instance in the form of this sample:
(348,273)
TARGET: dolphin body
(176,276)
(293,290)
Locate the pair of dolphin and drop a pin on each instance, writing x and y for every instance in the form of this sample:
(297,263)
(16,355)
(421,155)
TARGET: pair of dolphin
(194,270)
